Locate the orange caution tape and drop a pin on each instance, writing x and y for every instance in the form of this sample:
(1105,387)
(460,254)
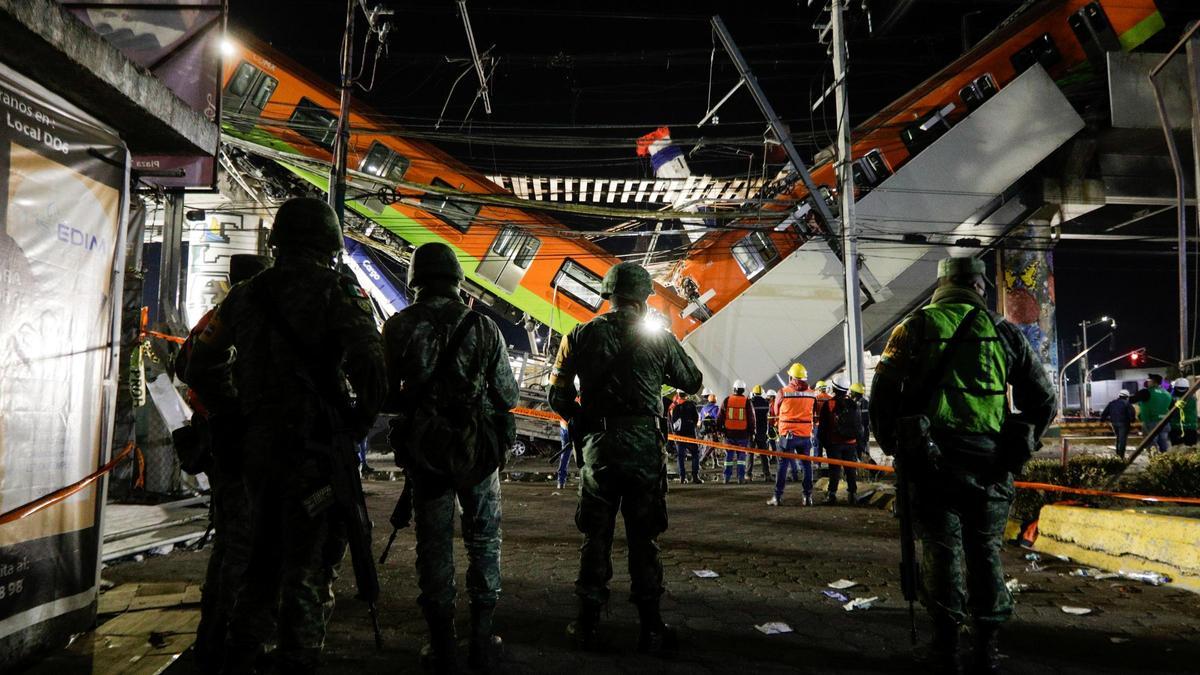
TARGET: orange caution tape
(64,492)
(163,336)
(1046,487)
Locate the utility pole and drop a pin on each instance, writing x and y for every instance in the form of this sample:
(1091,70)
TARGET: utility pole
(341,142)
(855,367)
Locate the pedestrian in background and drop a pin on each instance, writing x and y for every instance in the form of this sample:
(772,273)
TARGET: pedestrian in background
(1183,423)
(794,408)
(1153,404)
(839,428)
(940,399)
(621,368)
(684,419)
(762,424)
(736,420)
(709,430)
(1120,415)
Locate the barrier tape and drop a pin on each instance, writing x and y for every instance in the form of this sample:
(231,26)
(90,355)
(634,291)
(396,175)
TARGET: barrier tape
(1026,485)
(63,493)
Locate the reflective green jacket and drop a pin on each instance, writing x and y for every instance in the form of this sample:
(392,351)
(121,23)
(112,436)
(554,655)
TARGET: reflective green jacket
(1155,408)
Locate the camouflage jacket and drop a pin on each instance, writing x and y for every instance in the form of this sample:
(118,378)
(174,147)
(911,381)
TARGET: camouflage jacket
(327,313)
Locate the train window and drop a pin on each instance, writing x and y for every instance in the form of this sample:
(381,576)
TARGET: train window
(754,253)
(384,162)
(262,92)
(314,123)
(239,84)
(529,248)
(579,283)
(459,214)
(503,245)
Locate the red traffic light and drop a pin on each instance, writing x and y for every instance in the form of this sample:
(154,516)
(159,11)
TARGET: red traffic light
(1135,358)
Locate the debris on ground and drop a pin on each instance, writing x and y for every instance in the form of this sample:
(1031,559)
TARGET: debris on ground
(706,574)
(835,595)
(1119,640)
(860,603)
(842,584)
(1015,586)
(774,628)
(1077,611)
(1032,557)
(1093,573)
(1152,578)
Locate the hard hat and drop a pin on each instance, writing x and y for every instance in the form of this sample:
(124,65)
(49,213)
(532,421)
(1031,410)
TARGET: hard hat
(1124,393)
(306,222)
(739,384)
(667,390)
(243,266)
(858,388)
(798,371)
(959,267)
(706,392)
(1182,383)
(627,280)
(841,382)
(431,262)
(771,393)
(757,389)
(820,384)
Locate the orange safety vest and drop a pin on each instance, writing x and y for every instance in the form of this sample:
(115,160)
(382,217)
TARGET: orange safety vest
(735,413)
(795,411)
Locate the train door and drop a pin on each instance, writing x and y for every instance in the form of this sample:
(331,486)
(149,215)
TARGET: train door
(508,258)
(246,95)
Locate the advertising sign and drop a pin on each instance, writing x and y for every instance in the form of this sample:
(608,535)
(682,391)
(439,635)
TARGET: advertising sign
(63,184)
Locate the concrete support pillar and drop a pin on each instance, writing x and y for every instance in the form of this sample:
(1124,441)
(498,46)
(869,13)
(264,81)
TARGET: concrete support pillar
(1026,288)
(170,271)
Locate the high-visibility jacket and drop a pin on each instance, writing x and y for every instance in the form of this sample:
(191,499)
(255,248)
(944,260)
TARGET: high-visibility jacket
(737,417)
(794,407)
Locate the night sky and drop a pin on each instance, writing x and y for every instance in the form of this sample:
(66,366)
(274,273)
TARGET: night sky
(597,75)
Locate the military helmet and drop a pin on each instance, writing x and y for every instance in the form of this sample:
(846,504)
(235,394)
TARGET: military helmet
(431,262)
(959,267)
(798,371)
(627,280)
(306,222)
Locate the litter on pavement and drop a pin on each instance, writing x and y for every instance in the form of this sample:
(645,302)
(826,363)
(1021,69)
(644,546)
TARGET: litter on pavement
(1077,611)
(1093,573)
(774,628)
(860,603)
(1015,586)
(706,574)
(842,584)
(835,595)
(1152,578)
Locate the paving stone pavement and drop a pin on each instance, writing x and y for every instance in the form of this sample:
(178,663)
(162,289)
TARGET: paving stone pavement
(773,564)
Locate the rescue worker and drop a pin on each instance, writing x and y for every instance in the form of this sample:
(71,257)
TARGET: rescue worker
(1153,404)
(839,429)
(762,422)
(230,552)
(413,342)
(794,408)
(1119,413)
(736,419)
(709,413)
(684,418)
(300,330)
(824,393)
(858,394)
(620,367)
(962,481)
(1183,423)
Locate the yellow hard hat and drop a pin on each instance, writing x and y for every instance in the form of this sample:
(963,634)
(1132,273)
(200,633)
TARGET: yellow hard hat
(757,389)
(858,388)
(798,371)
(820,384)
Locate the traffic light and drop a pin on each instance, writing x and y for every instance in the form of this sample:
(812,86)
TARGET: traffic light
(1135,359)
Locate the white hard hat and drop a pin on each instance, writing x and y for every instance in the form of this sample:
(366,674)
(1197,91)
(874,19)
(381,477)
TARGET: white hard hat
(706,392)
(1182,383)
(771,393)
(841,382)
(1124,393)
(739,384)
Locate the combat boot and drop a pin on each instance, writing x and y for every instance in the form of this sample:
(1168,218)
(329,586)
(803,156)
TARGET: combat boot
(985,653)
(439,655)
(485,647)
(655,636)
(940,655)
(584,631)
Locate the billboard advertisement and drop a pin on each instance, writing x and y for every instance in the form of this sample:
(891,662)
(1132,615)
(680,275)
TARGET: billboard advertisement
(63,179)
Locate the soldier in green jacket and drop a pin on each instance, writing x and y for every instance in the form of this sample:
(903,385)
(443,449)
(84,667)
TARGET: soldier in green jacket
(962,492)
(293,335)
(622,363)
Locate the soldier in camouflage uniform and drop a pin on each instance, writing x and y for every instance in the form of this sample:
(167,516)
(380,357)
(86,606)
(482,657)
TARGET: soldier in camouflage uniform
(414,340)
(621,367)
(298,540)
(962,493)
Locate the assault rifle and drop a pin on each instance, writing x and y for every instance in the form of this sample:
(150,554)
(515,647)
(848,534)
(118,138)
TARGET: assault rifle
(401,517)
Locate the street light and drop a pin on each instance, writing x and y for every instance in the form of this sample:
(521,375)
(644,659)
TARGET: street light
(1086,379)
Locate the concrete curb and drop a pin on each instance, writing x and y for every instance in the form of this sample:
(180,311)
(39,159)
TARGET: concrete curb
(1116,540)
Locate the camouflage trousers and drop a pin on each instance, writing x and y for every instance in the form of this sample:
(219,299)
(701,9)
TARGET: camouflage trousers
(604,491)
(433,514)
(287,590)
(960,519)
(227,561)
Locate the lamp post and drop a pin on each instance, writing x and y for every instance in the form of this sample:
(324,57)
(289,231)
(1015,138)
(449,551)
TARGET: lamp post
(1086,379)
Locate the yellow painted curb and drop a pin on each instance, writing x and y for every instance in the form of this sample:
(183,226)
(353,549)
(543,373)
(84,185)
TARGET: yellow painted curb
(1117,540)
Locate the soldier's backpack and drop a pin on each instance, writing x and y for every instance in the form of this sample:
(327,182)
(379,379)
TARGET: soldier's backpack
(447,433)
